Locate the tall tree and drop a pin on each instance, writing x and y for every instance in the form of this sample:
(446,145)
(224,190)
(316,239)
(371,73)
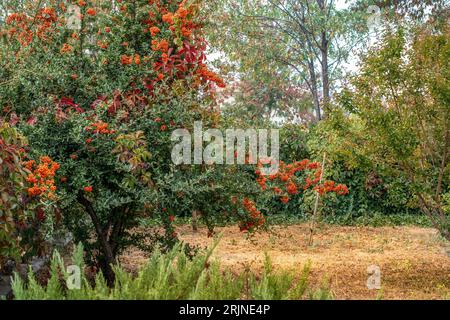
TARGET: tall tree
(312,38)
(400,99)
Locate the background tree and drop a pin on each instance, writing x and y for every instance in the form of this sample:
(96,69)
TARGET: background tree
(401,100)
(419,10)
(306,41)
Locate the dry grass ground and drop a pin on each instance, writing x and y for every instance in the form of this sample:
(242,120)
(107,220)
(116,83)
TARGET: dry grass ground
(414,262)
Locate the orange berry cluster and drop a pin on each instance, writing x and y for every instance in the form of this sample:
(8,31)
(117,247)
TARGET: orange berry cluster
(330,186)
(180,16)
(208,75)
(154,31)
(161,45)
(20,28)
(66,48)
(100,127)
(91,12)
(24,28)
(42,177)
(127,60)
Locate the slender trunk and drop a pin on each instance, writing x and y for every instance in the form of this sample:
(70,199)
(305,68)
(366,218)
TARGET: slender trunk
(324,47)
(325,70)
(314,90)
(107,258)
(316,205)
(117,229)
(195,215)
(442,168)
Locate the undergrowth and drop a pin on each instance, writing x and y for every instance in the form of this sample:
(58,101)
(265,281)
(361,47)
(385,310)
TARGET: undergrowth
(170,276)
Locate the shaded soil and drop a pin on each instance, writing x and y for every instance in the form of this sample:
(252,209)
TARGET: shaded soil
(414,262)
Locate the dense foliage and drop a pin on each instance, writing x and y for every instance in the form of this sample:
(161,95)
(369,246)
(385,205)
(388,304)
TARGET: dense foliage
(101,101)
(12,178)
(400,105)
(28,196)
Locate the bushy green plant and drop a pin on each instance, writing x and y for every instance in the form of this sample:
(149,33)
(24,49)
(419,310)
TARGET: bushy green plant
(171,275)
(102,101)
(373,190)
(400,100)
(102,186)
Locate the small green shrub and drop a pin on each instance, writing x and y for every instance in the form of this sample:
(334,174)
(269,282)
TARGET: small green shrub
(169,276)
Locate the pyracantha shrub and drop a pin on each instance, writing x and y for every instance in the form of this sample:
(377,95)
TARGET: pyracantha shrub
(102,181)
(102,100)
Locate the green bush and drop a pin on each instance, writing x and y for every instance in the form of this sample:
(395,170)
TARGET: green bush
(102,101)
(373,191)
(399,101)
(171,275)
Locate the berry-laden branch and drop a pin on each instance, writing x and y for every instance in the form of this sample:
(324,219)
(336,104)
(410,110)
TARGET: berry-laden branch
(290,180)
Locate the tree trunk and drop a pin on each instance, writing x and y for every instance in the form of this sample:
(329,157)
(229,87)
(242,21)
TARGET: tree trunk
(195,215)
(314,90)
(107,258)
(325,71)
(324,47)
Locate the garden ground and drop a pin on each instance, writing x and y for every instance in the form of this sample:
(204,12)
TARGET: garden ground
(414,262)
